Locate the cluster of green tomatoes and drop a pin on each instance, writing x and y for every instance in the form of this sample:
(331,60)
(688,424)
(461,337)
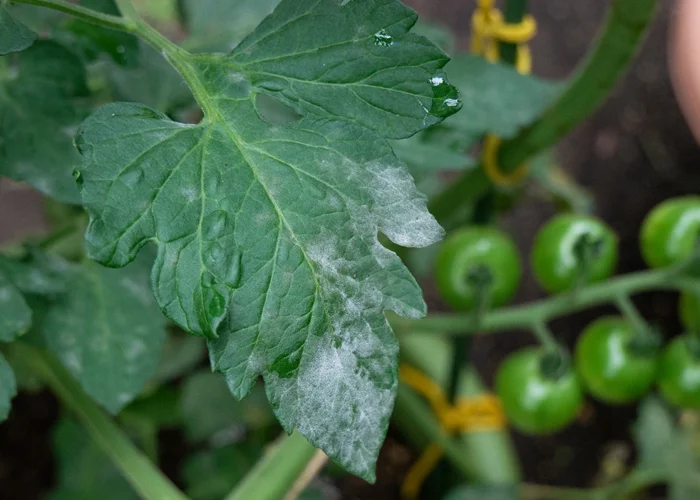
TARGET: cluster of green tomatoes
(617,359)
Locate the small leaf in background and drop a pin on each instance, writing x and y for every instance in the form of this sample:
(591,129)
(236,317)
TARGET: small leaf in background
(208,408)
(549,175)
(212,474)
(152,81)
(92,40)
(665,448)
(107,330)
(37,273)
(219,25)
(160,408)
(425,157)
(15,315)
(496,99)
(484,492)
(14,36)
(267,233)
(39,115)
(84,471)
(8,388)
(181,353)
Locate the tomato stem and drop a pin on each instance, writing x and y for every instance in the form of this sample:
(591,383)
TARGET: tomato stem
(617,44)
(277,471)
(514,12)
(631,313)
(84,13)
(142,474)
(545,337)
(528,315)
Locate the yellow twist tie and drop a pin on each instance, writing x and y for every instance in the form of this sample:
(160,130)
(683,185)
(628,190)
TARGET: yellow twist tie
(488,31)
(477,414)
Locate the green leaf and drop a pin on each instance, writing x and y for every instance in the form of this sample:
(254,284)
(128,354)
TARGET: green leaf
(8,388)
(267,234)
(92,39)
(496,99)
(219,25)
(108,331)
(667,449)
(84,471)
(15,315)
(181,354)
(425,157)
(37,273)
(39,116)
(209,408)
(212,474)
(158,409)
(14,36)
(152,81)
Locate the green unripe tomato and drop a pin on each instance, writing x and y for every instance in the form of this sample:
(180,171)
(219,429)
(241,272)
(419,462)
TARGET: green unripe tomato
(689,311)
(679,372)
(534,402)
(669,232)
(611,364)
(468,249)
(554,257)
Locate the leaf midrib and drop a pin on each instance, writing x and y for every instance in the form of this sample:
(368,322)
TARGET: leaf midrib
(210,108)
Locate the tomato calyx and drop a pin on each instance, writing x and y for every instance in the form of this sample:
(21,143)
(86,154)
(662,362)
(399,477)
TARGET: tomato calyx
(586,249)
(480,279)
(555,363)
(645,343)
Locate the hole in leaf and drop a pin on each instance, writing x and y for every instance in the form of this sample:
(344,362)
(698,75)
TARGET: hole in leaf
(274,111)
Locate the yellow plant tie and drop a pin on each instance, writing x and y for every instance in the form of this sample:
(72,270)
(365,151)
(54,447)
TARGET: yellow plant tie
(488,31)
(476,414)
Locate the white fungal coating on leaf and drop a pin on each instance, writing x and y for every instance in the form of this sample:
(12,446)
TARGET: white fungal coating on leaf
(267,235)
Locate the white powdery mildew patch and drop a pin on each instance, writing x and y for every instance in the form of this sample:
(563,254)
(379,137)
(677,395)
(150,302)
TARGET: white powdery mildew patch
(336,402)
(399,208)
(5,293)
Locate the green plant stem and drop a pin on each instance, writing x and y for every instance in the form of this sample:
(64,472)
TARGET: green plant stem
(629,485)
(485,457)
(529,315)
(277,471)
(630,312)
(89,15)
(142,474)
(514,12)
(545,336)
(617,44)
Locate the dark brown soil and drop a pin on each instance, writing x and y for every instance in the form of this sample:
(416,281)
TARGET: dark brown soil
(632,153)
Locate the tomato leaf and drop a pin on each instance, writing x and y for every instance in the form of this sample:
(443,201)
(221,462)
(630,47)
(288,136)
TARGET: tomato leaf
(219,25)
(15,314)
(107,331)
(8,387)
(152,81)
(208,408)
(14,36)
(38,118)
(496,99)
(267,233)
(667,448)
(122,47)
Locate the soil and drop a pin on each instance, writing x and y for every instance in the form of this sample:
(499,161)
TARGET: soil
(631,154)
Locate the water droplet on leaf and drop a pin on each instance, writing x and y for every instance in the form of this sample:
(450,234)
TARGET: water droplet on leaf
(446,99)
(383,39)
